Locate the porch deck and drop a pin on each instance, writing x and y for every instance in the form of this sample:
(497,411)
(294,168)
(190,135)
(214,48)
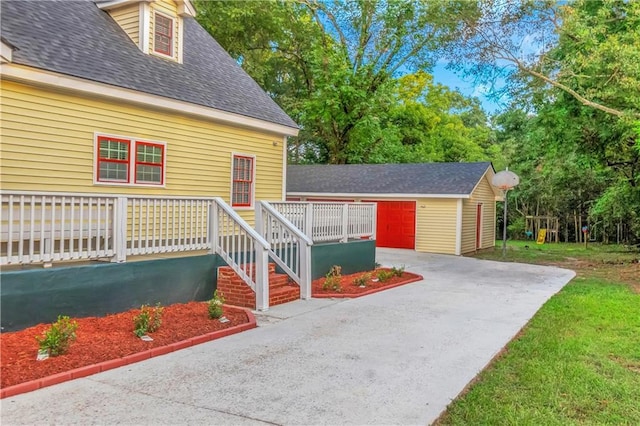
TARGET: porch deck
(64,229)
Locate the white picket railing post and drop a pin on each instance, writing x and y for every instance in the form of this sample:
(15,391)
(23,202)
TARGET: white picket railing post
(305,271)
(375,221)
(308,220)
(120,230)
(259,217)
(262,278)
(345,223)
(212,226)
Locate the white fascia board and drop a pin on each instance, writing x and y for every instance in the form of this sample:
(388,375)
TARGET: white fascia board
(458,251)
(60,81)
(488,174)
(186,8)
(374,196)
(6,52)
(116,3)
(480,180)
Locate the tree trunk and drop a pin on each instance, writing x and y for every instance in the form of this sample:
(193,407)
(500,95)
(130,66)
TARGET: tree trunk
(580,228)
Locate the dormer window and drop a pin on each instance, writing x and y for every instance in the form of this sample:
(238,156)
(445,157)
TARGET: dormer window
(155,26)
(163,35)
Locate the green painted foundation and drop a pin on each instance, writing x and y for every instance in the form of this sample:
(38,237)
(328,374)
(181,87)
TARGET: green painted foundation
(353,256)
(29,297)
(34,296)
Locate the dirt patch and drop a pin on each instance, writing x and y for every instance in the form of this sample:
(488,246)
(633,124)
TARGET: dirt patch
(351,285)
(106,338)
(629,365)
(625,272)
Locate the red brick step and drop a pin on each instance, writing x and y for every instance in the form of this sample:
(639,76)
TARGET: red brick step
(237,292)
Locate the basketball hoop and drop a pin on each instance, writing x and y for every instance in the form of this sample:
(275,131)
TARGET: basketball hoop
(505,180)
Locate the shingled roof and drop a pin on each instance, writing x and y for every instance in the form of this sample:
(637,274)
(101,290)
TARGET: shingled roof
(439,179)
(77,38)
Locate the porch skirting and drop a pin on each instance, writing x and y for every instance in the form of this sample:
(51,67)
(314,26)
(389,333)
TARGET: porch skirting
(29,297)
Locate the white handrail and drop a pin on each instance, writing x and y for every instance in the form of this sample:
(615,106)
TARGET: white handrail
(294,230)
(242,248)
(290,247)
(252,232)
(330,221)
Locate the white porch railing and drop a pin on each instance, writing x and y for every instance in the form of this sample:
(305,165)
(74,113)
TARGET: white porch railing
(323,222)
(49,227)
(242,248)
(290,247)
(166,224)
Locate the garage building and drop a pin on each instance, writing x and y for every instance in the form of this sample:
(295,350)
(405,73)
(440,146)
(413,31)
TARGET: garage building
(445,208)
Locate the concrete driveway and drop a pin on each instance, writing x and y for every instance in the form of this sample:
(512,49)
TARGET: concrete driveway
(395,357)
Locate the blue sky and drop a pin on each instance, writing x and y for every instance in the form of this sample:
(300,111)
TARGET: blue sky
(465,86)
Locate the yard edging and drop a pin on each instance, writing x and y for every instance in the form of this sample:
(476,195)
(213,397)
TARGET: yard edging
(126,360)
(368,292)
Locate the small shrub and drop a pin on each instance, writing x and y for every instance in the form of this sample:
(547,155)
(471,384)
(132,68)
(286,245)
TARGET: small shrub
(397,272)
(148,320)
(362,280)
(333,278)
(58,337)
(215,305)
(385,275)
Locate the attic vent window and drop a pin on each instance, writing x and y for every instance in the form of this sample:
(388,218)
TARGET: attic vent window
(163,35)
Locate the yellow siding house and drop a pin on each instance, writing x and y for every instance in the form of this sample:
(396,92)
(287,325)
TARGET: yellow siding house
(127,130)
(134,98)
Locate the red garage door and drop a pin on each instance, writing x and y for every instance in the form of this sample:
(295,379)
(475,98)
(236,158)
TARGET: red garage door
(396,224)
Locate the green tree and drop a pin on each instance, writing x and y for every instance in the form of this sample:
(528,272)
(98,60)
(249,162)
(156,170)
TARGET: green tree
(575,66)
(589,49)
(333,65)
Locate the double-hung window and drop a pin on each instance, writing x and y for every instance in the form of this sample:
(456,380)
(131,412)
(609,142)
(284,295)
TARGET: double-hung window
(163,35)
(242,185)
(127,161)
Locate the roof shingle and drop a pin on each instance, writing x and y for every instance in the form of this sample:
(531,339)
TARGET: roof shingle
(420,178)
(76,38)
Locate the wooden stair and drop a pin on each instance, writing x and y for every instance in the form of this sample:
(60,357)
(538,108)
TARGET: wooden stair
(236,292)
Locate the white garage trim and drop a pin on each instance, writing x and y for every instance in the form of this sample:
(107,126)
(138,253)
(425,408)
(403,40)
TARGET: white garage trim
(459,227)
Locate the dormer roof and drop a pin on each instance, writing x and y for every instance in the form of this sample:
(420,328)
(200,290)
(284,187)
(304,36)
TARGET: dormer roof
(78,39)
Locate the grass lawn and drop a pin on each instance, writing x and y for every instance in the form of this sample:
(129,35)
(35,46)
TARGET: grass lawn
(578,359)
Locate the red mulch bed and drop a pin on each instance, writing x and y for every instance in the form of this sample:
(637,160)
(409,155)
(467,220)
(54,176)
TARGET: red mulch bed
(105,338)
(350,289)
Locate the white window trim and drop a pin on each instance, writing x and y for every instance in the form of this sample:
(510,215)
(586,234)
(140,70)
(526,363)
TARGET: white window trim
(173,34)
(132,163)
(481,230)
(145,26)
(180,23)
(253,182)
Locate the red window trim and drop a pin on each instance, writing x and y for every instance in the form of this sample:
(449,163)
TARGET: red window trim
(132,162)
(144,163)
(169,36)
(112,160)
(234,180)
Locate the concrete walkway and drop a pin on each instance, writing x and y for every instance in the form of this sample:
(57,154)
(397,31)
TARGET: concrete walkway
(395,357)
